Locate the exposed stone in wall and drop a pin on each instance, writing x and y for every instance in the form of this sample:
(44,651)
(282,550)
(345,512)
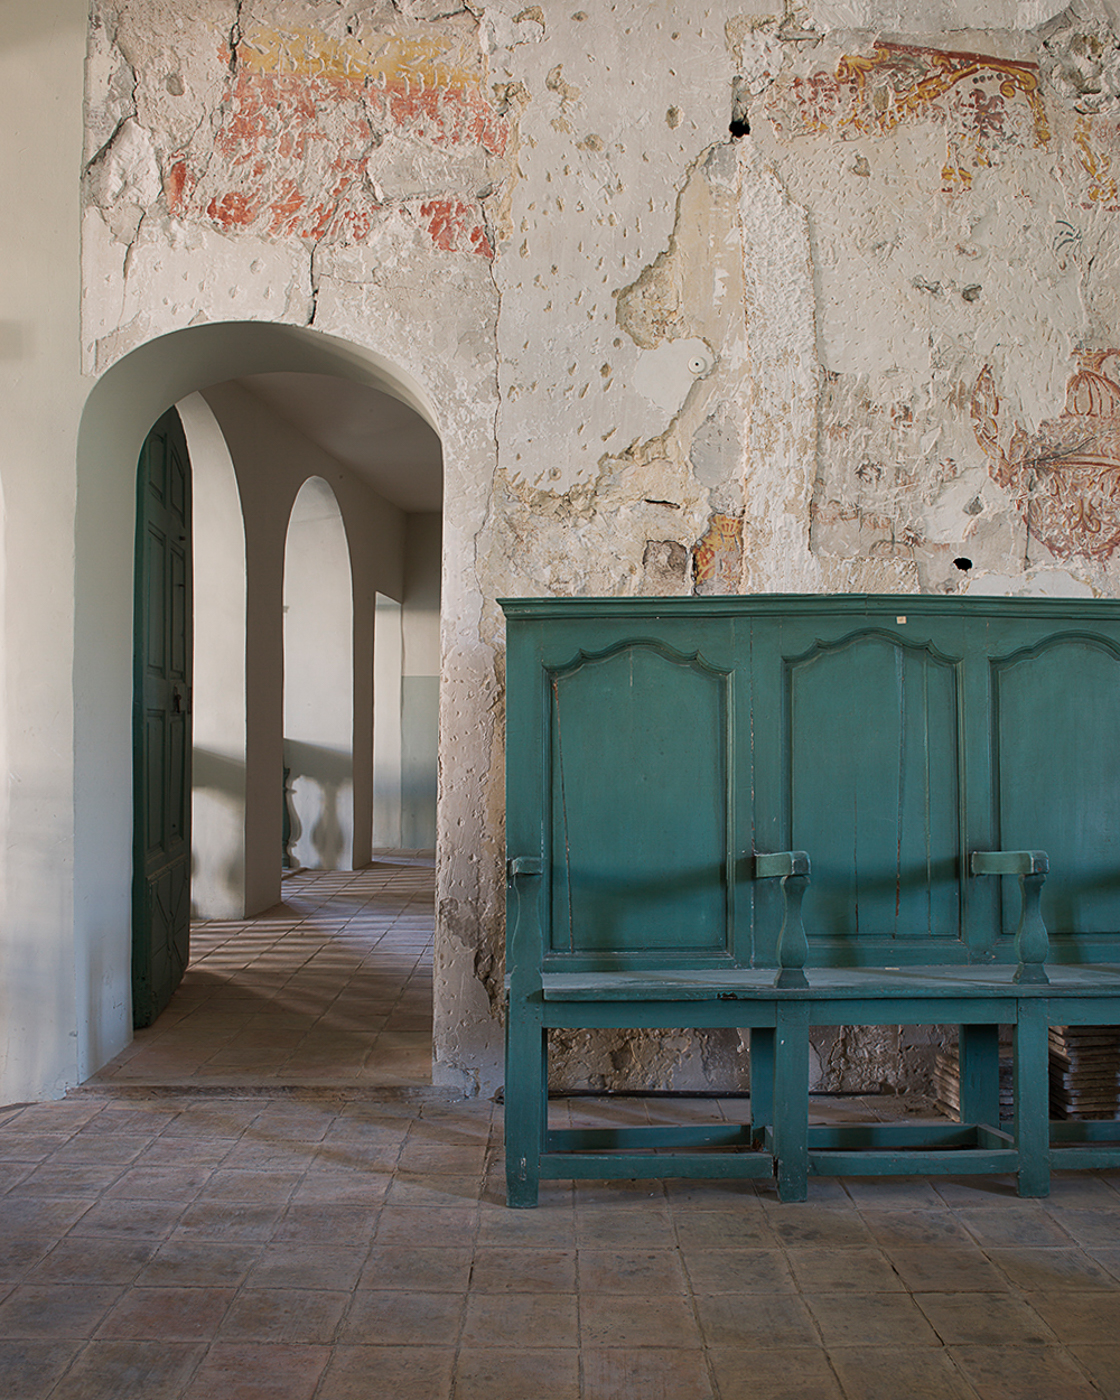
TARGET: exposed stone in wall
(876,1059)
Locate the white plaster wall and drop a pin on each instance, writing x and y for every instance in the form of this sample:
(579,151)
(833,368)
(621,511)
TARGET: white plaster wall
(406,696)
(419,702)
(218,693)
(52,980)
(387,656)
(318,682)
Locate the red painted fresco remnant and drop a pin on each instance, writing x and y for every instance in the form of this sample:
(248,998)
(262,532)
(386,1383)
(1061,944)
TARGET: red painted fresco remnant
(455,226)
(982,101)
(235,209)
(1065,476)
(718,555)
(302,122)
(447,117)
(175,184)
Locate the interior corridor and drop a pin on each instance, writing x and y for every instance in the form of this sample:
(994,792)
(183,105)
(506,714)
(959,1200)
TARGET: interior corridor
(331,988)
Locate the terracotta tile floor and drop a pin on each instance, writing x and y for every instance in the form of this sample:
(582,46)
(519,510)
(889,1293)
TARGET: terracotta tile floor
(222,1234)
(331,987)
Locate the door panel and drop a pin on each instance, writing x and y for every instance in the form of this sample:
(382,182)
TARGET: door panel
(161,721)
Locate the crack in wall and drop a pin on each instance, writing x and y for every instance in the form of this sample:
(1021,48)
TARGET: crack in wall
(235,38)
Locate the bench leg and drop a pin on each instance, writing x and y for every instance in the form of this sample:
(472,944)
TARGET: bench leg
(1032,1097)
(979,1064)
(526,1106)
(791,1100)
(762,1081)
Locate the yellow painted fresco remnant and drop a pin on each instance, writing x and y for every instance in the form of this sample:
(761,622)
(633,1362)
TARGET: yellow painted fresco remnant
(718,554)
(396,59)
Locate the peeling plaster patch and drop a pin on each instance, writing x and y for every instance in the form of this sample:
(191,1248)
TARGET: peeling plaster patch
(103,263)
(194,268)
(124,179)
(591,539)
(555,83)
(716,456)
(1081,60)
(781,443)
(165,50)
(666,375)
(111,82)
(755,42)
(1035,583)
(585,222)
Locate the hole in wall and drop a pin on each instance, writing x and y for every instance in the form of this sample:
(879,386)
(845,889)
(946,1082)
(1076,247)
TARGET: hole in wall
(740,126)
(963,564)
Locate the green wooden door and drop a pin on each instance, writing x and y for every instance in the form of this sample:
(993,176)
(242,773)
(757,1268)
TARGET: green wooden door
(161,724)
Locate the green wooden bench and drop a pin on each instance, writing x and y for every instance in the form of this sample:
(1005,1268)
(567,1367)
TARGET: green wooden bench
(782,812)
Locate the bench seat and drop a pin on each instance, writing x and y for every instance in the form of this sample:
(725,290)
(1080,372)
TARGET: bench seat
(674,767)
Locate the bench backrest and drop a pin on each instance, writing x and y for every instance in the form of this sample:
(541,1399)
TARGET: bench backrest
(654,745)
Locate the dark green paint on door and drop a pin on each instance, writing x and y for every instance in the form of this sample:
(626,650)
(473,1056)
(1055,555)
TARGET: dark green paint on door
(161,721)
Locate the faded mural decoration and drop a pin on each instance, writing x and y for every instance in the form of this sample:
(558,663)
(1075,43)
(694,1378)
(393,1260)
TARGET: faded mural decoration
(982,101)
(302,117)
(1065,476)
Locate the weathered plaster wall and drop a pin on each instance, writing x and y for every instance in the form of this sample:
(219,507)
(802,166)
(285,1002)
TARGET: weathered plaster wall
(712,300)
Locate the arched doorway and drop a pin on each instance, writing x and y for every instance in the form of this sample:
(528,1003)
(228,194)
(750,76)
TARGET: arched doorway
(118,414)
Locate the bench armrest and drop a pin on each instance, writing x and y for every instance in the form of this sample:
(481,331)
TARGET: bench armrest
(792,868)
(1010,863)
(1032,943)
(523,927)
(774,864)
(523,865)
